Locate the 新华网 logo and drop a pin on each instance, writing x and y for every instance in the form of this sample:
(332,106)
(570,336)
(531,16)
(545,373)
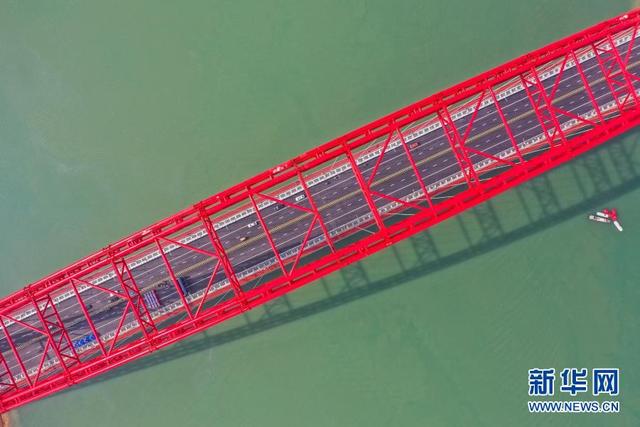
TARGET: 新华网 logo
(574,382)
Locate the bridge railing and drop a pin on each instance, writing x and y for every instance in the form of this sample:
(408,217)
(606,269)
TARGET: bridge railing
(33,314)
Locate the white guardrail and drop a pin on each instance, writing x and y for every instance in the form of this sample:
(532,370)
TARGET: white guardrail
(315,181)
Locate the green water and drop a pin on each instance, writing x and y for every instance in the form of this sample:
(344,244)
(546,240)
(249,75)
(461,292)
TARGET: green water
(112,116)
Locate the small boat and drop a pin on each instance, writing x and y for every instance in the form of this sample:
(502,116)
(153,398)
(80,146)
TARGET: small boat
(598,218)
(607,216)
(614,217)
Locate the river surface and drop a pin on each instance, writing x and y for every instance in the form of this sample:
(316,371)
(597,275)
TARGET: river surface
(115,114)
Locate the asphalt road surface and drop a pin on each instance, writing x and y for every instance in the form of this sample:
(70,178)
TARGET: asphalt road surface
(339,200)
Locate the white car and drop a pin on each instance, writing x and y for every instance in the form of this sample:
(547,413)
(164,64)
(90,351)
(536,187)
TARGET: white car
(252,224)
(300,197)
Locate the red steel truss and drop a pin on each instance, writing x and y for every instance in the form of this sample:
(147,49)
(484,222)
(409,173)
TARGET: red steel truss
(31,314)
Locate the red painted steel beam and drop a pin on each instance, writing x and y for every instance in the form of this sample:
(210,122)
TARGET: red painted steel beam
(427,105)
(135,302)
(53,328)
(174,279)
(506,125)
(416,172)
(588,89)
(222,256)
(457,144)
(243,194)
(88,318)
(365,191)
(328,151)
(16,355)
(316,213)
(617,68)
(267,234)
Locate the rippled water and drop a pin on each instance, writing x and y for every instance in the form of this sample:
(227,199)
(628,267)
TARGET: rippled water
(114,115)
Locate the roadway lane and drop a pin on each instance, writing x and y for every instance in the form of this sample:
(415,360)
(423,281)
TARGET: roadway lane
(339,199)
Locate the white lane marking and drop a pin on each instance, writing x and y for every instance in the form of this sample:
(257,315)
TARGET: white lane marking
(443,169)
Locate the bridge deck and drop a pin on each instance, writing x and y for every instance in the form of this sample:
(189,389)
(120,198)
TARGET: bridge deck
(321,211)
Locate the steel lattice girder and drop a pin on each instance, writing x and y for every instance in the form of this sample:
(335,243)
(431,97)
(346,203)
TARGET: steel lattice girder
(140,330)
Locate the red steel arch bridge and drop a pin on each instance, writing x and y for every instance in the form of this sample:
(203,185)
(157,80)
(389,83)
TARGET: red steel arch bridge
(320,211)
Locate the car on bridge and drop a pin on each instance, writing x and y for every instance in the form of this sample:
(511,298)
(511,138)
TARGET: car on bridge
(182,283)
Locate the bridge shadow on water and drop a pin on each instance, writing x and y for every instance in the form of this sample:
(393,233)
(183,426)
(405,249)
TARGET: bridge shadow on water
(598,177)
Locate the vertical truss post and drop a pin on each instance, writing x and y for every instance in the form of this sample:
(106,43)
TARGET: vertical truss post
(136,302)
(540,106)
(621,78)
(174,279)
(4,363)
(607,73)
(267,233)
(587,87)
(623,69)
(558,79)
(222,256)
(363,187)
(14,349)
(416,171)
(383,150)
(369,182)
(467,149)
(307,235)
(53,328)
(92,325)
(634,34)
(457,147)
(608,68)
(507,128)
(316,211)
